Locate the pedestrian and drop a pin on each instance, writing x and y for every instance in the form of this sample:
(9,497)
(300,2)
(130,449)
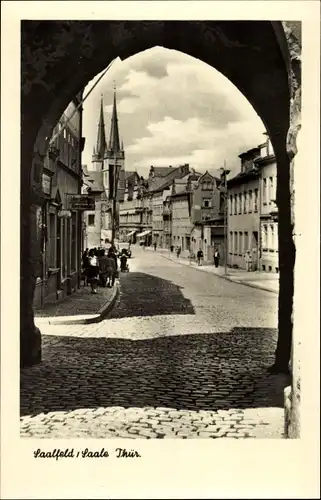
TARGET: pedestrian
(112,254)
(111,268)
(199,256)
(172,248)
(155,246)
(123,261)
(93,271)
(103,267)
(178,251)
(216,257)
(248,261)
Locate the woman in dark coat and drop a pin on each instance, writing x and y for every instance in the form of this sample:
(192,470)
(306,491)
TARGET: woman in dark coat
(93,271)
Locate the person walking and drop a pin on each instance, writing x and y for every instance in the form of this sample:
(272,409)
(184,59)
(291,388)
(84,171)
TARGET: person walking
(111,268)
(199,256)
(216,257)
(93,270)
(248,261)
(112,255)
(103,267)
(155,246)
(178,251)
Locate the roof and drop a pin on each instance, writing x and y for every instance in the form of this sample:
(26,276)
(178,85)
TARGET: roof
(129,173)
(161,183)
(243,177)
(162,171)
(94,181)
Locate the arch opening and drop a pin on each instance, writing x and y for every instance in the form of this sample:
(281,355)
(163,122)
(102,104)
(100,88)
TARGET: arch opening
(59,58)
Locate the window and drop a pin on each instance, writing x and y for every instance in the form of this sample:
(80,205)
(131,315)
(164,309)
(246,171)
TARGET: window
(255,199)
(250,201)
(272,237)
(264,237)
(246,241)
(91,219)
(235,204)
(240,243)
(235,242)
(231,241)
(231,205)
(264,191)
(207,203)
(245,202)
(271,190)
(240,203)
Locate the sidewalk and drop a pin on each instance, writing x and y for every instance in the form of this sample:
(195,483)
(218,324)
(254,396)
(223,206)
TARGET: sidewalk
(80,308)
(256,279)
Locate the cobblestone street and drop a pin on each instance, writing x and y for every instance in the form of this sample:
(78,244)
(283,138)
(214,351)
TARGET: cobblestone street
(183,354)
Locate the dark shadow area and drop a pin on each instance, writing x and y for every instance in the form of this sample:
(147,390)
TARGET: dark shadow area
(141,295)
(145,294)
(191,372)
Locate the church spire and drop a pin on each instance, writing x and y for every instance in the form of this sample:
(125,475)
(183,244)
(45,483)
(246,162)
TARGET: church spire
(101,137)
(114,143)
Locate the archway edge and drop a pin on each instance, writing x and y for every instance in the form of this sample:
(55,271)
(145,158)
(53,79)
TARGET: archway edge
(59,58)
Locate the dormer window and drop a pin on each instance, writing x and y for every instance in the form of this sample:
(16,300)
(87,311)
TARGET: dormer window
(207,186)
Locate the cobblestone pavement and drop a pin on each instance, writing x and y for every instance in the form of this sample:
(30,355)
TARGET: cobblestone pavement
(182,355)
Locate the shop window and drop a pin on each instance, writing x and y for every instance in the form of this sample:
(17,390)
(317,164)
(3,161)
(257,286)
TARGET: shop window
(91,219)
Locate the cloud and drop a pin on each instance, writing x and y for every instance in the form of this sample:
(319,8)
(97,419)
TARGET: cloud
(173,108)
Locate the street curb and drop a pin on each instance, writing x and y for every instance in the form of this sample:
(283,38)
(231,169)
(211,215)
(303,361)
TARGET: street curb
(95,318)
(227,278)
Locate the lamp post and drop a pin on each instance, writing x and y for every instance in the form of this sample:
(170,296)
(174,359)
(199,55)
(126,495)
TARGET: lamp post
(224,175)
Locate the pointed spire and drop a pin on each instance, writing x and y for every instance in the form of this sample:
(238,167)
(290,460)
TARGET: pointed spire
(114,143)
(101,137)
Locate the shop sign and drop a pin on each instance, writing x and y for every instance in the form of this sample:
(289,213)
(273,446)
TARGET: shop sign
(66,214)
(81,202)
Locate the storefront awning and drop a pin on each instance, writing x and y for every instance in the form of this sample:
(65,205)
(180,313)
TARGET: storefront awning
(144,233)
(131,233)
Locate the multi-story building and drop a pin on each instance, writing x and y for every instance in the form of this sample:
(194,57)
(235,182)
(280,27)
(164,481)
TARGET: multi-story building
(95,223)
(243,212)
(208,217)
(61,228)
(266,164)
(131,208)
(159,184)
(252,215)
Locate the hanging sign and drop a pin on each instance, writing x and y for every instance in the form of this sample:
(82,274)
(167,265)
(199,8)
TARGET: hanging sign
(81,202)
(46,183)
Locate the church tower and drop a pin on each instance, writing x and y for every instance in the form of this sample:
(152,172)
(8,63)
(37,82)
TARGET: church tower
(114,159)
(101,145)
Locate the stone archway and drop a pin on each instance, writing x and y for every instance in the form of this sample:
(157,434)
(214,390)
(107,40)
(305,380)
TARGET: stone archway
(60,57)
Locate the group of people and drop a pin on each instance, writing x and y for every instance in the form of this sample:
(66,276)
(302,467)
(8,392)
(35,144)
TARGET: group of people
(100,266)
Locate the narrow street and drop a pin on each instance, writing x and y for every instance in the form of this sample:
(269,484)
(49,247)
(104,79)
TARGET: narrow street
(183,354)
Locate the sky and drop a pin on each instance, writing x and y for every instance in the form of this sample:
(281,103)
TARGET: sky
(172,109)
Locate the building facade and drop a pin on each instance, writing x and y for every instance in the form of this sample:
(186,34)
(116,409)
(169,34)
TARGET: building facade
(269,255)
(60,227)
(252,212)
